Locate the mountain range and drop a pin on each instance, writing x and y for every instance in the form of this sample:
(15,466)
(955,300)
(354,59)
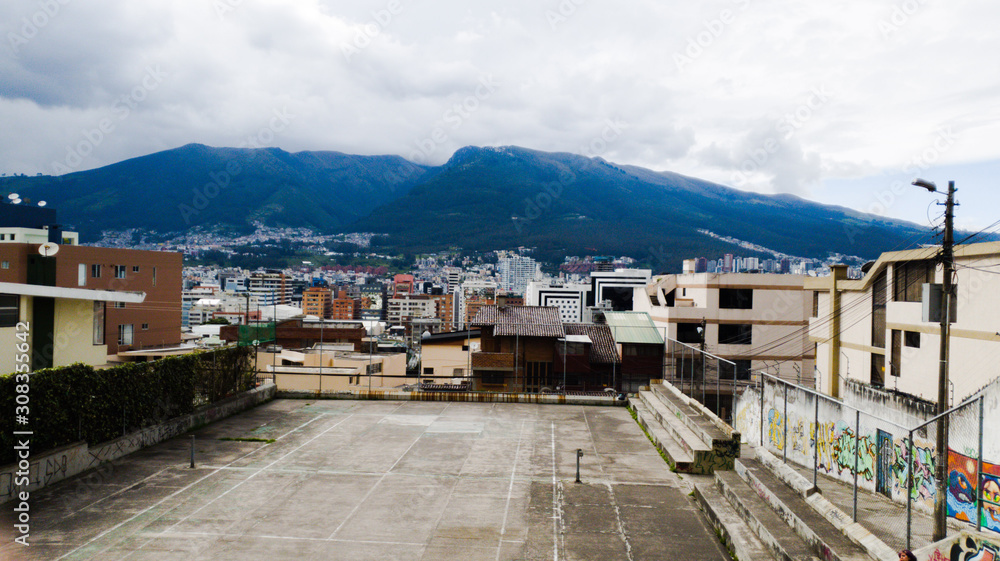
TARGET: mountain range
(483,198)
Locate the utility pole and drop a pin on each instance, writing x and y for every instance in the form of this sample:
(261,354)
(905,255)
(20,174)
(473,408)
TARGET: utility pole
(948,266)
(948,259)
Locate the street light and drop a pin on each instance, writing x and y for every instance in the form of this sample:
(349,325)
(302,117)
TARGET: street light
(948,261)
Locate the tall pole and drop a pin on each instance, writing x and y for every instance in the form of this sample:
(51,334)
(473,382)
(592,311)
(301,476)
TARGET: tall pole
(948,260)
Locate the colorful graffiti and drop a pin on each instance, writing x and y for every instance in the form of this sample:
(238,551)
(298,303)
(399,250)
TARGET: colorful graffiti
(962,491)
(966,548)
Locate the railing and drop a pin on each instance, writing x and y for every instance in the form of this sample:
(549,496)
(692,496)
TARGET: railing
(877,456)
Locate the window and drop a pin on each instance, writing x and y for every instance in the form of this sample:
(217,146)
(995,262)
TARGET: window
(735,333)
(878,370)
(492,378)
(119,271)
(895,359)
(10,310)
(879,291)
(81,274)
(119,304)
(815,313)
(742,370)
(154,276)
(135,268)
(95,271)
(574,349)
(641,350)
(736,298)
(5,265)
(429,371)
(3,237)
(908,279)
(911,339)
(374,368)
(458,372)
(98,323)
(145,327)
(125,334)
(688,333)
(12,236)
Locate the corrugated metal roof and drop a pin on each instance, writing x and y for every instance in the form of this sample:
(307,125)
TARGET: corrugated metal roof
(633,327)
(523,321)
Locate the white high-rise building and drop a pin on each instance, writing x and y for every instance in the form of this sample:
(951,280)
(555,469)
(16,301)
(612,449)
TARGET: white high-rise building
(570,298)
(516,272)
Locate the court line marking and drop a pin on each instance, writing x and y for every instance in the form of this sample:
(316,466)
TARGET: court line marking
(377,483)
(164,499)
(510,489)
(556,514)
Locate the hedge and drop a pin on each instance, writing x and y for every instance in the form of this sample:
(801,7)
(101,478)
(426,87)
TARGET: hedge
(78,402)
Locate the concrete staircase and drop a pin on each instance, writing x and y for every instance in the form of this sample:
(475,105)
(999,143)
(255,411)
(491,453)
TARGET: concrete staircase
(690,437)
(764,510)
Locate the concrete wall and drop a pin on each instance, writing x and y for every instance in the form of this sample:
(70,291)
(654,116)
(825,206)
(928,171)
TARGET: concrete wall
(74,330)
(838,435)
(445,357)
(965,546)
(67,461)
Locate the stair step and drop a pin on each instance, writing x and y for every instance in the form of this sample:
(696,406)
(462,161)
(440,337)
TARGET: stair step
(674,426)
(736,534)
(773,532)
(799,514)
(692,417)
(679,458)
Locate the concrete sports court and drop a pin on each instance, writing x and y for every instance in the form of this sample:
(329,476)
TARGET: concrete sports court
(380,480)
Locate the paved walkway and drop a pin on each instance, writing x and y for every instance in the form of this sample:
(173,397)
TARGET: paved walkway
(380,480)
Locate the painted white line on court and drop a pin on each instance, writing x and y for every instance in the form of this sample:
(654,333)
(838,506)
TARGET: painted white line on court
(288,538)
(555,503)
(164,499)
(510,490)
(377,483)
(258,472)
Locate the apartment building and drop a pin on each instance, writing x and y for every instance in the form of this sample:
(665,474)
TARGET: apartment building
(881,329)
(317,301)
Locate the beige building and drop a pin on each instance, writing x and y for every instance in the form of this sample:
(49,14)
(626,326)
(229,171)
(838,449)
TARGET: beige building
(758,321)
(872,329)
(444,357)
(337,370)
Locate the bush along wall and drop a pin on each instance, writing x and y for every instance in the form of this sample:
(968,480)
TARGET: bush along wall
(78,402)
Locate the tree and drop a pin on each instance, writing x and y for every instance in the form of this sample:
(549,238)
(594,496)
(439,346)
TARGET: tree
(217,321)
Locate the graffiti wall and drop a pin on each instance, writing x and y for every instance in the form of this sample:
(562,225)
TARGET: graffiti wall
(791,430)
(967,546)
(962,491)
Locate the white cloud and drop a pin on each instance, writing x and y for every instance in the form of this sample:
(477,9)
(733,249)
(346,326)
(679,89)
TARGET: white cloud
(701,86)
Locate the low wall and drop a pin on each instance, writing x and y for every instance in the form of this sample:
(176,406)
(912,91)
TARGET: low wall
(966,546)
(467,397)
(64,462)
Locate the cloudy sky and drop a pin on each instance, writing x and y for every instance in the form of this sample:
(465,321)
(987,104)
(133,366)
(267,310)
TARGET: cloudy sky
(839,102)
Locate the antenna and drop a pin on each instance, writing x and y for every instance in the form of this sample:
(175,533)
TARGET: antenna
(42,203)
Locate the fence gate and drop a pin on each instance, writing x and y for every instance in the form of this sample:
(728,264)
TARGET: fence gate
(883,477)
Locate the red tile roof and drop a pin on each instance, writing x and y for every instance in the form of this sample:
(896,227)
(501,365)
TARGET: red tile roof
(603,349)
(523,321)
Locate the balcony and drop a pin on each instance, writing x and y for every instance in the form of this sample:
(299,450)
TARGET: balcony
(493,361)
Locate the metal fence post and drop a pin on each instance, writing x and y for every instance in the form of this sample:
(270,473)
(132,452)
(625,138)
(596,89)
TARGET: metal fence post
(762,413)
(816,443)
(691,389)
(702,378)
(718,391)
(909,490)
(784,431)
(857,453)
(979,470)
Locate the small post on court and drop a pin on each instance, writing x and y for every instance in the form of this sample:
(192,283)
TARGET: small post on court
(579,454)
(192,451)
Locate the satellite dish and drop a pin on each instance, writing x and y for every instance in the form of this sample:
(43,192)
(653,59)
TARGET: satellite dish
(13,196)
(16,201)
(42,203)
(48,249)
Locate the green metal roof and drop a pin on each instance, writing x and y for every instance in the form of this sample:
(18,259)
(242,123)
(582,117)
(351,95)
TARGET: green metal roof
(633,327)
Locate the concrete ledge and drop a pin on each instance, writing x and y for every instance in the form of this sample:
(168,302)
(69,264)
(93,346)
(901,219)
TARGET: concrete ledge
(966,544)
(735,533)
(727,430)
(874,547)
(66,461)
(466,397)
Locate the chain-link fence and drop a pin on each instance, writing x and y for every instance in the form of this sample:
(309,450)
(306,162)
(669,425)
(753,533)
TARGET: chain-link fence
(886,461)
